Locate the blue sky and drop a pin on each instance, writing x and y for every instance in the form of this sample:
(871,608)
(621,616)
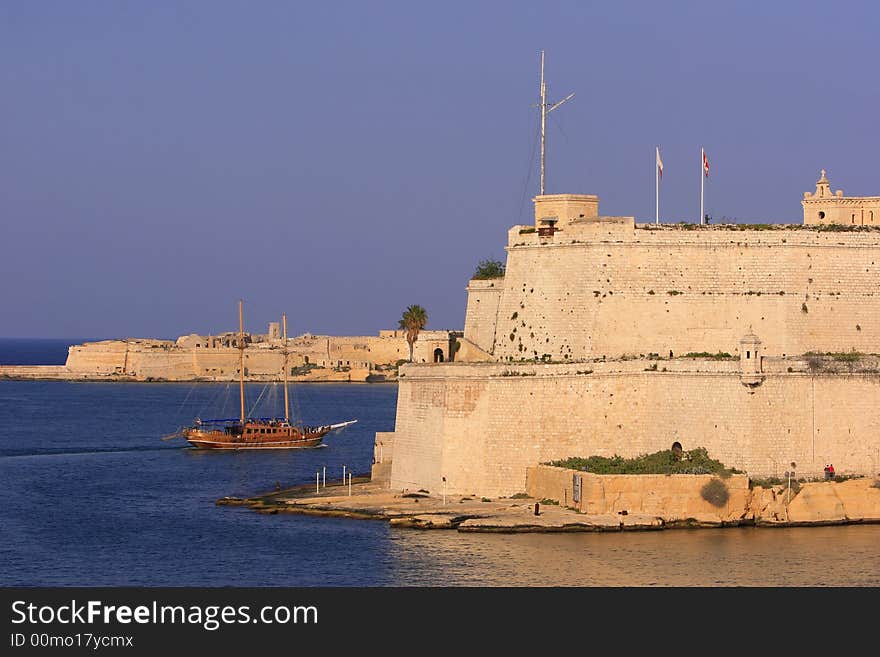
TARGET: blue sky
(339,161)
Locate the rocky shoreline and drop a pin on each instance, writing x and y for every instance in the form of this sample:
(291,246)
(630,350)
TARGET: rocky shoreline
(520,514)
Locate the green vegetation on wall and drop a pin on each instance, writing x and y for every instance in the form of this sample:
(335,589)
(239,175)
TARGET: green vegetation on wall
(668,461)
(488,269)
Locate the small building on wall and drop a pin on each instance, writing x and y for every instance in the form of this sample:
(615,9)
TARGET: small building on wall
(825,207)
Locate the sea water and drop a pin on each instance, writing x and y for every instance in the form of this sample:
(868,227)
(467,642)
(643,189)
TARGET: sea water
(92,496)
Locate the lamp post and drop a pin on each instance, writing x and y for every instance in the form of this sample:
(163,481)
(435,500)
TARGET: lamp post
(444,491)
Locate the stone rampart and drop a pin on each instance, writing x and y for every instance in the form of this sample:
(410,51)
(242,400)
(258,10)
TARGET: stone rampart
(481,425)
(679,499)
(675,498)
(35,372)
(608,289)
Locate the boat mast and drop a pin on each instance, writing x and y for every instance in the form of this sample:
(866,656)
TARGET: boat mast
(545,110)
(286,399)
(241,359)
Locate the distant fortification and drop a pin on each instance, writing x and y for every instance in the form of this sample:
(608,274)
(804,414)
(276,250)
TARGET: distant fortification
(610,337)
(196,357)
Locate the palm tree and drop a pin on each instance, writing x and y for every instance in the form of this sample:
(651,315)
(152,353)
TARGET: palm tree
(414,319)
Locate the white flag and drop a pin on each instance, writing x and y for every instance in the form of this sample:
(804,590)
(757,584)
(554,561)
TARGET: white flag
(659,163)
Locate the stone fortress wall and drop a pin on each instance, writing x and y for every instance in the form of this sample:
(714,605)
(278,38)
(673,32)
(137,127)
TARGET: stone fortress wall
(482,425)
(790,313)
(216,357)
(598,286)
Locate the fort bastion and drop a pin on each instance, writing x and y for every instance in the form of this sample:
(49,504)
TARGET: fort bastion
(606,336)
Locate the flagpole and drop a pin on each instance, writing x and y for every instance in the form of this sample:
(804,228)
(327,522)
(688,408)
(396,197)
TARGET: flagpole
(657,186)
(702,156)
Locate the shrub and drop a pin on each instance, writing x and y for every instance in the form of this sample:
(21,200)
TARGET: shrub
(695,461)
(721,355)
(715,493)
(547,500)
(488,269)
(303,369)
(770,482)
(519,496)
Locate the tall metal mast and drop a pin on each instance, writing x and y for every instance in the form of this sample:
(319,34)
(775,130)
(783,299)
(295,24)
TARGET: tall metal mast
(241,359)
(286,400)
(545,110)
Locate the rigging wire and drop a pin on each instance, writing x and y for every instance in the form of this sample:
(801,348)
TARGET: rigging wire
(185,399)
(251,412)
(212,400)
(528,179)
(296,413)
(223,410)
(531,167)
(559,125)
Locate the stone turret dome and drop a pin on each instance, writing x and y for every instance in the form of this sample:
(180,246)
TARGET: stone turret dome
(750,338)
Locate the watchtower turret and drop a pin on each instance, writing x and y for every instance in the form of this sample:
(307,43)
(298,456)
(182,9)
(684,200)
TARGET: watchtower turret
(750,359)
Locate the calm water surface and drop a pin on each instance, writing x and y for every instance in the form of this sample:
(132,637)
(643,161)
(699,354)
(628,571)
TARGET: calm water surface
(91,496)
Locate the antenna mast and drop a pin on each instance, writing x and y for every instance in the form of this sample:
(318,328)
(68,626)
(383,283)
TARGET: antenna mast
(545,110)
(286,400)
(241,359)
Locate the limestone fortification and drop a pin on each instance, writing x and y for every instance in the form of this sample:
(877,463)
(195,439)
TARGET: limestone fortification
(604,337)
(823,207)
(215,357)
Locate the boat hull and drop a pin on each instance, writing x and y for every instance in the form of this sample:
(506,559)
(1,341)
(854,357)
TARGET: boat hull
(218,440)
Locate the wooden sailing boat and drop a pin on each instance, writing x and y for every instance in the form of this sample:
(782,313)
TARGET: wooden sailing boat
(256,433)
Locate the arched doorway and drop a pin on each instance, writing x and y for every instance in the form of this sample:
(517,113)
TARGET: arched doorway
(438,355)
(676,449)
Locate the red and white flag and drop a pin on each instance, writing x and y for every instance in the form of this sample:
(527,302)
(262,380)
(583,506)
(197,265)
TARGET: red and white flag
(705,164)
(659,163)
